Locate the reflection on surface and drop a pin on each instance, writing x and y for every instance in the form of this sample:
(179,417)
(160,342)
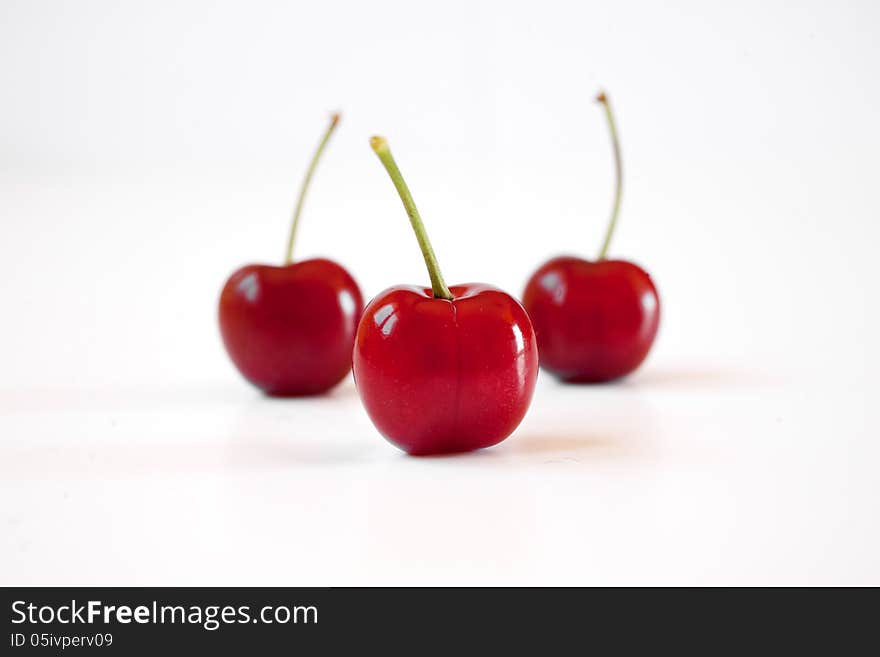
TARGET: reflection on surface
(383,313)
(519,339)
(389,324)
(385,318)
(521,369)
(249,286)
(346,302)
(553,283)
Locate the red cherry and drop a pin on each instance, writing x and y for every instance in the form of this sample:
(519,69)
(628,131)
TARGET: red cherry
(443,369)
(445,376)
(595,321)
(290,329)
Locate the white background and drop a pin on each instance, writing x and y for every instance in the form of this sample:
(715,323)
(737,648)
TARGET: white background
(148,149)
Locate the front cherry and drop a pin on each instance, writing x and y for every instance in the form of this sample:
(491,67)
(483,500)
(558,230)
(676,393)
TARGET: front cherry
(290,329)
(443,369)
(595,320)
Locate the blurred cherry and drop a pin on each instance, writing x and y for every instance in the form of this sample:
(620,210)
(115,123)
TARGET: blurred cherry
(289,329)
(595,320)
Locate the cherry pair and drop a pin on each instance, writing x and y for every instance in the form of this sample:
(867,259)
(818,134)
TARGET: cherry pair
(439,369)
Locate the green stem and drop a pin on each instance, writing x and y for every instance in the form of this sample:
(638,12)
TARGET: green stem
(438,286)
(618,170)
(334,119)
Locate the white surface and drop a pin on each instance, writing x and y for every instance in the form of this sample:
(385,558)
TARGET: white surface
(148,151)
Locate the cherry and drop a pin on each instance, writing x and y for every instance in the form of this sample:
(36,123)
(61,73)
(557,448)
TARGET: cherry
(595,320)
(443,369)
(289,329)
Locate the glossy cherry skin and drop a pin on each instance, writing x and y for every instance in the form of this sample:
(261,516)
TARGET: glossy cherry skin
(595,321)
(438,376)
(290,329)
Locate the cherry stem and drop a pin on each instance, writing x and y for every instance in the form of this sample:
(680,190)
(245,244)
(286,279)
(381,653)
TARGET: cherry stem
(618,170)
(334,119)
(438,286)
